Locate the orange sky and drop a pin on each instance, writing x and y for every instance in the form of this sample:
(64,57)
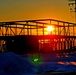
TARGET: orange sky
(35,9)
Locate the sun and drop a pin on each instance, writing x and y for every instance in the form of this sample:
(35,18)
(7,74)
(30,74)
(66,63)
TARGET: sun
(50,28)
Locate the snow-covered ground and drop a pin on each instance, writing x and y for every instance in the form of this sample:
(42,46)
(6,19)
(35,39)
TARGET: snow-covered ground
(13,64)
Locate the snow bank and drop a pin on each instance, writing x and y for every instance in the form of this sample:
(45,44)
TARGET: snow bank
(59,63)
(56,67)
(12,64)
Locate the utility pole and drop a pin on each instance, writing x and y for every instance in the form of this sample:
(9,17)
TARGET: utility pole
(72,5)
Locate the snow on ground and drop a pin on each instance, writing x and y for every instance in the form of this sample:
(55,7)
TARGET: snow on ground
(63,62)
(13,64)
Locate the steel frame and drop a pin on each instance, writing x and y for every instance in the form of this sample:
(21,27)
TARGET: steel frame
(65,34)
(62,28)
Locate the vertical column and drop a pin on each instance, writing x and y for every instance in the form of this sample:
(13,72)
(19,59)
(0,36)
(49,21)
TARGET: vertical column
(60,44)
(55,30)
(30,31)
(43,29)
(6,30)
(73,35)
(10,30)
(16,29)
(58,28)
(27,28)
(70,43)
(68,30)
(64,29)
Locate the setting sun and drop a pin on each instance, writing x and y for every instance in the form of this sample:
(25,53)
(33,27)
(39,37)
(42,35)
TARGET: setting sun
(50,28)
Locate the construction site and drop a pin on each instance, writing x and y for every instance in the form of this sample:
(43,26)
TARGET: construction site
(34,36)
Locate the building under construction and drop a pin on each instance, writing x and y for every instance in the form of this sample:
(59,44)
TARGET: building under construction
(31,36)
